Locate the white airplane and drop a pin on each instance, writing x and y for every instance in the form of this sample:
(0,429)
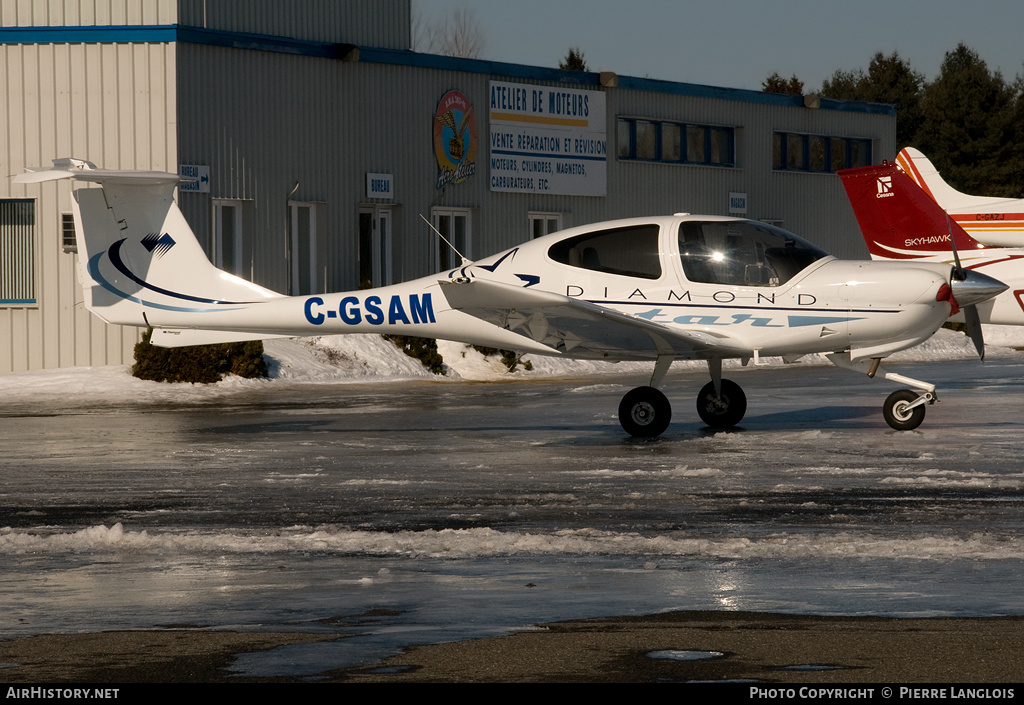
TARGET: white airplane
(997,222)
(659,289)
(900,221)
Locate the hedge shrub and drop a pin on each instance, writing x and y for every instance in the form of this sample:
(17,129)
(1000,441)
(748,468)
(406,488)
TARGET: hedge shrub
(199,363)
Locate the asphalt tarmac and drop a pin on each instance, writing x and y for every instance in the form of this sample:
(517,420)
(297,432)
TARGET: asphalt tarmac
(676,647)
(485,532)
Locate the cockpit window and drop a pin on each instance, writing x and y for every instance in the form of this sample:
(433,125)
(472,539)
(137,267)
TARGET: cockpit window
(742,253)
(628,252)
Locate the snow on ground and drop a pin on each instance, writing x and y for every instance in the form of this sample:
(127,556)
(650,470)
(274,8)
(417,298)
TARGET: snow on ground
(343,359)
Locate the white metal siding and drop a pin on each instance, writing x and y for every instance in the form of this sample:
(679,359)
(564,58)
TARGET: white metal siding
(74,13)
(113,104)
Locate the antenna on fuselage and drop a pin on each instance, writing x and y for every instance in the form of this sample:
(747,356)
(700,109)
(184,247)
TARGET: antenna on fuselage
(431,226)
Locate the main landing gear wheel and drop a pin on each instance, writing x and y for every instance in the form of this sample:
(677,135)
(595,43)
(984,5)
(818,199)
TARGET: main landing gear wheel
(724,411)
(899,414)
(645,412)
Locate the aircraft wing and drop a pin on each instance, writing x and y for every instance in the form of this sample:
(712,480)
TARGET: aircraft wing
(579,328)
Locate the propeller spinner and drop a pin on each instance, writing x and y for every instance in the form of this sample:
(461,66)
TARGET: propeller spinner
(971,288)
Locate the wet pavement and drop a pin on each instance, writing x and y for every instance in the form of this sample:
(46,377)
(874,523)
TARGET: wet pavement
(421,512)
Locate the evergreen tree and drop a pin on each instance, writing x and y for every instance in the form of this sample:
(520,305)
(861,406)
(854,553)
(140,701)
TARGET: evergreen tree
(777,84)
(573,61)
(844,85)
(889,79)
(970,126)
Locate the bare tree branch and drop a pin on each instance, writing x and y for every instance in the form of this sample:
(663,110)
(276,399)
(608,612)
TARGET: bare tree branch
(458,34)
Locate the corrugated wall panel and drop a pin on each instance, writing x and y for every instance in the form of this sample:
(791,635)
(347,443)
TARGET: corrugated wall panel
(376,23)
(73,13)
(105,103)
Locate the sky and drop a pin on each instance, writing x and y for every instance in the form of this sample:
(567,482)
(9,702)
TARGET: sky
(738,43)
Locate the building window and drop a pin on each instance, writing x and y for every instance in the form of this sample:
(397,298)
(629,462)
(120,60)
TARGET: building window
(544,224)
(671,142)
(455,226)
(624,137)
(720,146)
(860,153)
(646,139)
(793,151)
(816,153)
(67,233)
(17,251)
(695,144)
(676,142)
(837,147)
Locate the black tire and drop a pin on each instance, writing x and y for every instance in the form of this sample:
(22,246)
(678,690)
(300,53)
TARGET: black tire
(896,413)
(725,411)
(645,412)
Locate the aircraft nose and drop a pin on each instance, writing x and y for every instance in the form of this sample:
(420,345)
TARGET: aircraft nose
(975,287)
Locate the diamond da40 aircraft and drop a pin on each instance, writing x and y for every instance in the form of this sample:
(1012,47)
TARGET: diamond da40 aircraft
(658,289)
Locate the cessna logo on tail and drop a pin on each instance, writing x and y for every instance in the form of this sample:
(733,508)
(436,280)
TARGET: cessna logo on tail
(884,187)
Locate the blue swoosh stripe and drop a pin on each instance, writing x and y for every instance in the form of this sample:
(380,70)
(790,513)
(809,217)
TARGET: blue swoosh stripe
(115,259)
(94,272)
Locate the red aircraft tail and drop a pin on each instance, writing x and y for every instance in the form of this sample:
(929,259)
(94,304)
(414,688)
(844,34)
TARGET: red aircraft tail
(897,219)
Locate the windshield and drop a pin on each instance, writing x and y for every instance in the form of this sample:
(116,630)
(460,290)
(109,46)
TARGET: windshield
(742,253)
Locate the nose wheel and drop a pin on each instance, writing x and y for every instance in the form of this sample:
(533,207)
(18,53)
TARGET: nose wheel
(645,412)
(904,409)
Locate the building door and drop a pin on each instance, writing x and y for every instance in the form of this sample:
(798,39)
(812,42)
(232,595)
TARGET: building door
(374,246)
(303,248)
(227,236)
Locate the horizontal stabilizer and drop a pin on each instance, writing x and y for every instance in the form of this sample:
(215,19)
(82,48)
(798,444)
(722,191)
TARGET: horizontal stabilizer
(82,170)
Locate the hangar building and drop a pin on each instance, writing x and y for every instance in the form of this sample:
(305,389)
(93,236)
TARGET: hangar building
(318,140)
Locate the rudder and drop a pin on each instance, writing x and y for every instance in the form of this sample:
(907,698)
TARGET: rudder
(897,219)
(138,254)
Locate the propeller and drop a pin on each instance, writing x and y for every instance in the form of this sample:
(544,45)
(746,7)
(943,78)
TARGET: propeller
(969,289)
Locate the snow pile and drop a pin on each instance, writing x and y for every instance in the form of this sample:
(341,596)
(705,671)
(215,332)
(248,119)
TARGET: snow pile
(370,358)
(482,542)
(340,358)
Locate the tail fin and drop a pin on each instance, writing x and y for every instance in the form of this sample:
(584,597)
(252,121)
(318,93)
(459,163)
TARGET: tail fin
(138,254)
(897,219)
(920,168)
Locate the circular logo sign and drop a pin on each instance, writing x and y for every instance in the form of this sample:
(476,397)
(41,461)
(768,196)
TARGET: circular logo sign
(455,139)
